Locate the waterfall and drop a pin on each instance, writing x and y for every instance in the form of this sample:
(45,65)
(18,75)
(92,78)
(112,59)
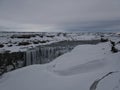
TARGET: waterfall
(41,55)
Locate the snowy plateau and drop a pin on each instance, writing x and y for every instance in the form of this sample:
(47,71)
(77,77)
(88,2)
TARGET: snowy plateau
(85,67)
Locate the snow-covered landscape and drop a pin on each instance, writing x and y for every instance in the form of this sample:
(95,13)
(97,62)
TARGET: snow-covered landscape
(81,66)
(59,44)
(22,41)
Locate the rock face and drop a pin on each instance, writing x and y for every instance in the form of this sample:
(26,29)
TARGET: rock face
(10,61)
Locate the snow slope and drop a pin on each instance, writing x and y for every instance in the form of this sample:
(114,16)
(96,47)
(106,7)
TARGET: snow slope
(87,67)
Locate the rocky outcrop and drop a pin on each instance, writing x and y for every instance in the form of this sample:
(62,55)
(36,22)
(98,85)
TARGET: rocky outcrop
(10,61)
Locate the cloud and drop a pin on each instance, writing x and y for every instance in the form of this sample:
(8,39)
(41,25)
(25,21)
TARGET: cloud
(81,13)
(12,26)
(109,25)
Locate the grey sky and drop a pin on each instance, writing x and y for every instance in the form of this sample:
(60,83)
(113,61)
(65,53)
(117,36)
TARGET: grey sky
(62,14)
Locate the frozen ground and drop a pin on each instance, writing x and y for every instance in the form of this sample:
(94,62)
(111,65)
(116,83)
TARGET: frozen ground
(86,67)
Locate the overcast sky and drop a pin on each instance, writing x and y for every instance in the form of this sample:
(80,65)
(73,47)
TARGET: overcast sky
(54,15)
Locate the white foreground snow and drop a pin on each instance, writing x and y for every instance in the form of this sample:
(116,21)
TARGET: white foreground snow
(76,70)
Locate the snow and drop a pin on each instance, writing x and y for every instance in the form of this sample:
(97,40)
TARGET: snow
(78,55)
(76,70)
(112,82)
(6,40)
(48,37)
